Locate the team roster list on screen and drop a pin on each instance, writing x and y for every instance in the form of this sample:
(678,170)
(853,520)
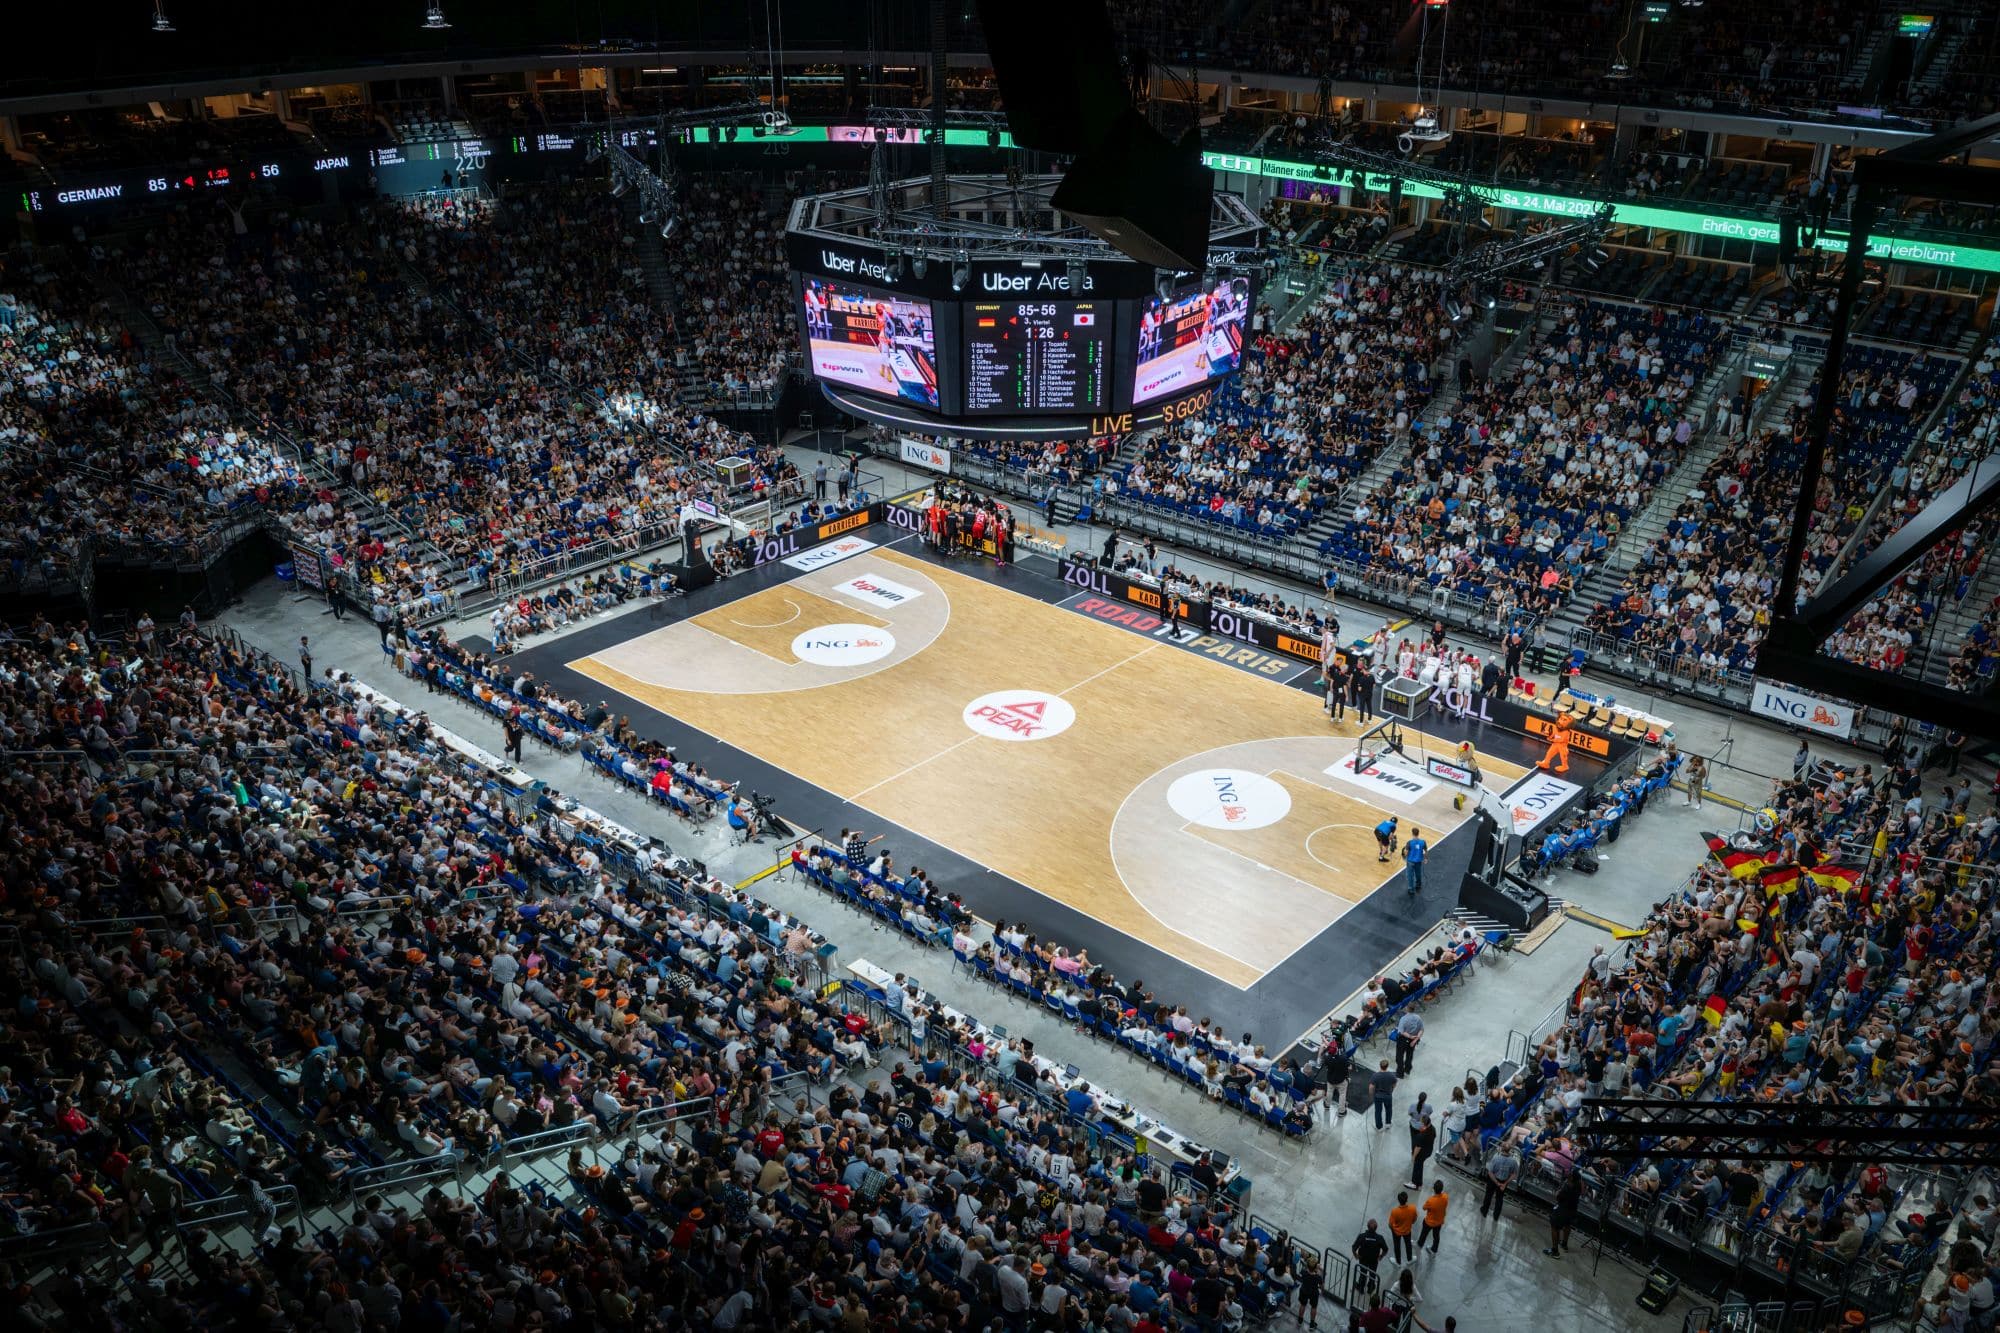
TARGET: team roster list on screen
(1036,356)
(872,340)
(1190,338)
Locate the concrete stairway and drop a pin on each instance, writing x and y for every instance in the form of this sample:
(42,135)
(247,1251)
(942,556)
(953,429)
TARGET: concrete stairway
(1650,523)
(1442,403)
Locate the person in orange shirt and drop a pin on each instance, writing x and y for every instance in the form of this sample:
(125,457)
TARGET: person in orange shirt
(1402,1221)
(1434,1211)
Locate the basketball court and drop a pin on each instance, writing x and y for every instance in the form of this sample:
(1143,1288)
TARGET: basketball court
(1210,813)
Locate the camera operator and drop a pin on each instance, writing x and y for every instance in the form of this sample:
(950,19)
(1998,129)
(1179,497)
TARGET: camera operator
(743,815)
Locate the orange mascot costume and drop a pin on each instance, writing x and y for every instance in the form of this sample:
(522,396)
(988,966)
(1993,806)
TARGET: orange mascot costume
(1557,759)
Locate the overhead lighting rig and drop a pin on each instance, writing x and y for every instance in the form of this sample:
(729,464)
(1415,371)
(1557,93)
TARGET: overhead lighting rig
(658,191)
(904,219)
(1532,250)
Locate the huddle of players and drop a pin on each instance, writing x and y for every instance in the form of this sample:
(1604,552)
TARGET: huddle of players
(961,523)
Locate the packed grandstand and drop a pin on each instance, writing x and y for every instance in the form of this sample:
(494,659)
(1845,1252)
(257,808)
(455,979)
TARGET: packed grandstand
(332,1010)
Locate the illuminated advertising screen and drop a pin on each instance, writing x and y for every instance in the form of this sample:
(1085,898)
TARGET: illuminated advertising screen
(875,341)
(1191,338)
(1036,356)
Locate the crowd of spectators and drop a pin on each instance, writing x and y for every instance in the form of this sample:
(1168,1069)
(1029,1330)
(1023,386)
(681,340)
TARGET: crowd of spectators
(1700,596)
(1760,57)
(734,328)
(1842,957)
(471,969)
(97,443)
(1517,492)
(1307,411)
(479,448)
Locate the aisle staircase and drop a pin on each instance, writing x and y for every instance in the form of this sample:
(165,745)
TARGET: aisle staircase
(1651,522)
(1385,463)
(164,354)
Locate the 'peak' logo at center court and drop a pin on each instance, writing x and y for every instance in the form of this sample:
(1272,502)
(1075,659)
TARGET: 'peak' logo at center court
(1019,715)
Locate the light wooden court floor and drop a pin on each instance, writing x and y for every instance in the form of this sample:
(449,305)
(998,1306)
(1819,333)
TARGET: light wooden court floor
(1091,815)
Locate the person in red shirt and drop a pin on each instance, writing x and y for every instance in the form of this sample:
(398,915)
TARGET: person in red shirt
(770,1140)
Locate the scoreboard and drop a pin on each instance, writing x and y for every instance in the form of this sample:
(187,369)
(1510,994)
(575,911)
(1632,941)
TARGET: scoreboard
(1036,356)
(1014,346)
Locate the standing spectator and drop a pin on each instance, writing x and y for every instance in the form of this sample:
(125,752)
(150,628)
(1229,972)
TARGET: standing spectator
(845,481)
(1697,778)
(1538,643)
(306,657)
(1801,761)
(1311,1283)
(1413,863)
(381,615)
(336,600)
(1335,1065)
(1501,1169)
(819,480)
(1409,1031)
(1423,1142)
(514,732)
(1435,1208)
(1563,1216)
(1402,1225)
(1382,1088)
(1368,1249)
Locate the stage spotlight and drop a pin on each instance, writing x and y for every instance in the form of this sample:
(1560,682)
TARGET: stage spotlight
(1453,311)
(1076,272)
(961,271)
(898,265)
(618,188)
(1488,299)
(645,216)
(1597,258)
(921,264)
(669,227)
(434,19)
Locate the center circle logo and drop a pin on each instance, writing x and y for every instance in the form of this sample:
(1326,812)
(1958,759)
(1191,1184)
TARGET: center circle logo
(1019,715)
(843,645)
(1228,798)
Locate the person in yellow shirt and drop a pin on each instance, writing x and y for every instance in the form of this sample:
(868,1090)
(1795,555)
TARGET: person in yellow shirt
(1402,1221)
(1434,1211)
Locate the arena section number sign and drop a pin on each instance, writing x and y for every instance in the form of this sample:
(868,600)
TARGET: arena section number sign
(876,341)
(1036,356)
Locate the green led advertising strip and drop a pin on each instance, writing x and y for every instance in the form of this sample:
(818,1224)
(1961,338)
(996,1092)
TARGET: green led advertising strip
(1902,249)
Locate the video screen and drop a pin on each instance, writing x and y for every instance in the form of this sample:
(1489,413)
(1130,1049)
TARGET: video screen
(1191,338)
(872,340)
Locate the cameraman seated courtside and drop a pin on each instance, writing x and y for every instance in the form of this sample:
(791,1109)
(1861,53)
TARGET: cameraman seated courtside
(743,819)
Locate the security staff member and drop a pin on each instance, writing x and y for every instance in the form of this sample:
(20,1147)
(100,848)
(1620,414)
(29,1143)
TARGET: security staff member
(1334,673)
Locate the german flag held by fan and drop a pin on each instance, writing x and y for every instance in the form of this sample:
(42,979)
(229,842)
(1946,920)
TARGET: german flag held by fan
(1740,862)
(1779,880)
(1841,879)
